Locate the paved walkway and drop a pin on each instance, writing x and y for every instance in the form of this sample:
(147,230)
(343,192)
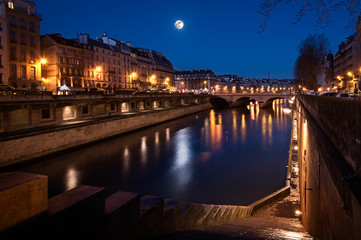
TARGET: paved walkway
(277,221)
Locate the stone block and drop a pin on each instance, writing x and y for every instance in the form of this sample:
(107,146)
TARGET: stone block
(186,216)
(170,218)
(150,215)
(214,215)
(208,214)
(23,196)
(198,215)
(75,213)
(121,211)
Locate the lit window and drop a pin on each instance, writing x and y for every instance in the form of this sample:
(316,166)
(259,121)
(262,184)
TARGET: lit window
(11,5)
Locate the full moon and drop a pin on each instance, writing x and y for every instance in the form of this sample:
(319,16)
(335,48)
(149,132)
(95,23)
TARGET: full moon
(179,24)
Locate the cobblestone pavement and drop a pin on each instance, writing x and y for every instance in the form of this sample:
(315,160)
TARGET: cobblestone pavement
(277,221)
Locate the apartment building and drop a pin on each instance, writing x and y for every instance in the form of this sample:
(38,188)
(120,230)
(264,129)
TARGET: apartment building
(106,63)
(20,64)
(197,79)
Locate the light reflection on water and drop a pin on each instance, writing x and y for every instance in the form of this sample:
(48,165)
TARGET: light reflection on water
(229,156)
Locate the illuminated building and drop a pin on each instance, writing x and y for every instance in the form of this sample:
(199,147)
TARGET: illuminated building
(104,63)
(20,44)
(196,79)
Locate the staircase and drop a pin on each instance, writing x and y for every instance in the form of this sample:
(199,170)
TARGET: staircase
(85,212)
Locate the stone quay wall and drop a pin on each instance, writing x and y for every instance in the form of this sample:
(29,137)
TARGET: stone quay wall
(20,148)
(329,155)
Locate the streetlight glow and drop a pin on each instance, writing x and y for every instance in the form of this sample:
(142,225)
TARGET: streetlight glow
(43,61)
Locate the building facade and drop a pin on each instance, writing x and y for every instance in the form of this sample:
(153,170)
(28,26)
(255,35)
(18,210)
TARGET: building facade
(197,80)
(103,63)
(20,41)
(347,62)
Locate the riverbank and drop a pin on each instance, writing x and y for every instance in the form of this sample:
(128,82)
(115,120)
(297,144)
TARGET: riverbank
(42,141)
(135,215)
(276,216)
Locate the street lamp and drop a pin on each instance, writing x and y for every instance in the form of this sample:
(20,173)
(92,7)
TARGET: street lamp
(353,84)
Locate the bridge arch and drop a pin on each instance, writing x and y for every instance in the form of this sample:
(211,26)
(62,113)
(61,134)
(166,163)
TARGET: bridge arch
(243,101)
(268,102)
(219,102)
(239,99)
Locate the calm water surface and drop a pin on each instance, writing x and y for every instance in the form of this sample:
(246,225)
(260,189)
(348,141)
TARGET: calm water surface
(228,156)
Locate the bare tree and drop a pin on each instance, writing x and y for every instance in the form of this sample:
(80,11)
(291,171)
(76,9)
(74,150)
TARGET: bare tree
(308,64)
(322,9)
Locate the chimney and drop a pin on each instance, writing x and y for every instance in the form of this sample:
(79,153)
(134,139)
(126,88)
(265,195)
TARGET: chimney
(83,38)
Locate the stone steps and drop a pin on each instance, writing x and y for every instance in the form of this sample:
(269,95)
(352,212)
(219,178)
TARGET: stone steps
(85,212)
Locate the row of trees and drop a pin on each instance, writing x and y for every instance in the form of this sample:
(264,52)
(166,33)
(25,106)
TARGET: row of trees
(308,64)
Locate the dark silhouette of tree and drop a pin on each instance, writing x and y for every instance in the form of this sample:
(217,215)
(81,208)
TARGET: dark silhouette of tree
(322,9)
(308,64)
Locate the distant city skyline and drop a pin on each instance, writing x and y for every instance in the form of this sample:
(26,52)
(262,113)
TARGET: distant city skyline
(221,36)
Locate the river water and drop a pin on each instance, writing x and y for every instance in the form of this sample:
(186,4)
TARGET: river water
(221,156)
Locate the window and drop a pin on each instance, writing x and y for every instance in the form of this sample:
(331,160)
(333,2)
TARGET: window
(1,43)
(13,71)
(12,36)
(112,106)
(45,113)
(32,56)
(22,23)
(32,41)
(11,4)
(1,61)
(12,21)
(23,55)
(22,39)
(33,73)
(23,71)
(1,78)
(85,109)
(31,26)
(12,53)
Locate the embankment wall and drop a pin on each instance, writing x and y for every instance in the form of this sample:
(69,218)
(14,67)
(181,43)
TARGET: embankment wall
(34,145)
(329,156)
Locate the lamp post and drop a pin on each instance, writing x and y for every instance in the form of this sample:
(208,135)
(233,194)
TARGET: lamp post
(353,82)
(133,77)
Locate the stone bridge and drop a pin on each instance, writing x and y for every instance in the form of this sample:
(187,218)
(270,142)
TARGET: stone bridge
(263,99)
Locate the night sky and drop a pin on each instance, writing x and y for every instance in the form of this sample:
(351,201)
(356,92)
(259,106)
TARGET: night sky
(219,35)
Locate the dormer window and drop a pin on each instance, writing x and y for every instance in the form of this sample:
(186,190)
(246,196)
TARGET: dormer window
(11,4)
